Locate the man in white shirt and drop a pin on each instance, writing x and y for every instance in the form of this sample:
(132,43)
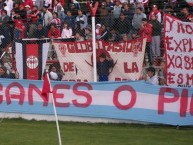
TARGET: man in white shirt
(151,76)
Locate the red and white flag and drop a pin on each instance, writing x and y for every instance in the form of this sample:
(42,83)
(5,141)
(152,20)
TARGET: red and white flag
(46,88)
(31,56)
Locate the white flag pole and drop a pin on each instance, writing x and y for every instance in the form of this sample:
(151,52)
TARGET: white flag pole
(94,49)
(56,117)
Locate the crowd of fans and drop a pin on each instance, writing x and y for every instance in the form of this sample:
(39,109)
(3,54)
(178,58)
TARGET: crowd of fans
(118,20)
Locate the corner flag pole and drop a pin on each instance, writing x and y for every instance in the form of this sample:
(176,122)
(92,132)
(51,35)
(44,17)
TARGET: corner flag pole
(56,117)
(93,13)
(46,90)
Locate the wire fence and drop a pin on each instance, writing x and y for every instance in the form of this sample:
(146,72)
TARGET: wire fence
(117,24)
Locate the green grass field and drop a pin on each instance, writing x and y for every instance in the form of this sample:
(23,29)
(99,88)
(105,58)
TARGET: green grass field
(22,132)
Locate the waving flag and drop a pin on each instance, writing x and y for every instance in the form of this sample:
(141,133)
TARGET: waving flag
(46,88)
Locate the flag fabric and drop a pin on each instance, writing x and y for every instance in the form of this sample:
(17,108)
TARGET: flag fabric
(46,88)
(31,57)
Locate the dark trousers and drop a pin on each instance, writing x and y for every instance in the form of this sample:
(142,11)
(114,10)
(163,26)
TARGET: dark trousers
(149,52)
(103,78)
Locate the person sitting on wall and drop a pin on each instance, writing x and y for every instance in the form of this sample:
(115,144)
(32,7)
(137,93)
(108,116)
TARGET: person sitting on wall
(54,74)
(103,67)
(151,76)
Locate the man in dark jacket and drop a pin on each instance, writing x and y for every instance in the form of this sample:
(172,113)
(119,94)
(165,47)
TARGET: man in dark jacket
(103,67)
(156,36)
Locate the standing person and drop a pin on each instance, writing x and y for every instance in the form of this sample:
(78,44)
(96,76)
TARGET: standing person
(58,8)
(76,4)
(66,31)
(156,36)
(28,2)
(33,16)
(116,12)
(104,65)
(47,17)
(7,8)
(82,19)
(123,27)
(1,4)
(146,31)
(4,29)
(19,32)
(137,19)
(70,19)
(22,12)
(39,4)
(55,20)
(9,4)
(155,12)
(27,9)
(151,76)
(128,12)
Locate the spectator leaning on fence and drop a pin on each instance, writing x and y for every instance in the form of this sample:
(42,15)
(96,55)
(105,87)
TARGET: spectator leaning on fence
(54,74)
(151,76)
